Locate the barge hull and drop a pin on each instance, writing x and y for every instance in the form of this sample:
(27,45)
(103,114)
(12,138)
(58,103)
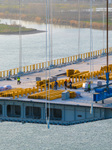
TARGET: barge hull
(60,114)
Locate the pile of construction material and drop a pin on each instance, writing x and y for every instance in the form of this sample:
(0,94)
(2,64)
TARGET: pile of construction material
(104,69)
(50,94)
(53,94)
(103,77)
(78,84)
(70,72)
(18,92)
(72,94)
(9,93)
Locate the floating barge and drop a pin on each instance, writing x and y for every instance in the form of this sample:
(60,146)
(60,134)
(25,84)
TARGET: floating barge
(62,112)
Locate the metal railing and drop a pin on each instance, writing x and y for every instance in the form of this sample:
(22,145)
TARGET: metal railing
(57,62)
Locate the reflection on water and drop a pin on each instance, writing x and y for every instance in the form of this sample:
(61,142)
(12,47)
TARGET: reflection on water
(65,43)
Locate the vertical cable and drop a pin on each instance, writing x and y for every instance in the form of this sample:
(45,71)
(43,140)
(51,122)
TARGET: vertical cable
(78,29)
(48,26)
(107,35)
(20,39)
(91,53)
(49,56)
(46,60)
(92,63)
(103,30)
(91,42)
(107,73)
(90,31)
(51,5)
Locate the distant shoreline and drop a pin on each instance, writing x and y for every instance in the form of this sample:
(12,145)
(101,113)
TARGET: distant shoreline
(22,32)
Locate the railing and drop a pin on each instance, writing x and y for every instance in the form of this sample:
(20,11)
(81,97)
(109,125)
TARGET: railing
(56,62)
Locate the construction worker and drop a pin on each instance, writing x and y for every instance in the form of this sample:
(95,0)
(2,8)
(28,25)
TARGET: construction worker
(56,84)
(70,83)
(18,80)
(89,86)
(65,83)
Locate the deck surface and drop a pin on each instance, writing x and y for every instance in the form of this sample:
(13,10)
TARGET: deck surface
(86,99)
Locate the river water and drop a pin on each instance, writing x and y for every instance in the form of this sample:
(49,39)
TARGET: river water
(17,136)
(87,136)
(64,44)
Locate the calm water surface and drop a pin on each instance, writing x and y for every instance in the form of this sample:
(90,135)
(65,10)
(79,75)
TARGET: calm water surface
(87,136)
(65,43)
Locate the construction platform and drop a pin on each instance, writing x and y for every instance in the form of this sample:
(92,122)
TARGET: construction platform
(62,112)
